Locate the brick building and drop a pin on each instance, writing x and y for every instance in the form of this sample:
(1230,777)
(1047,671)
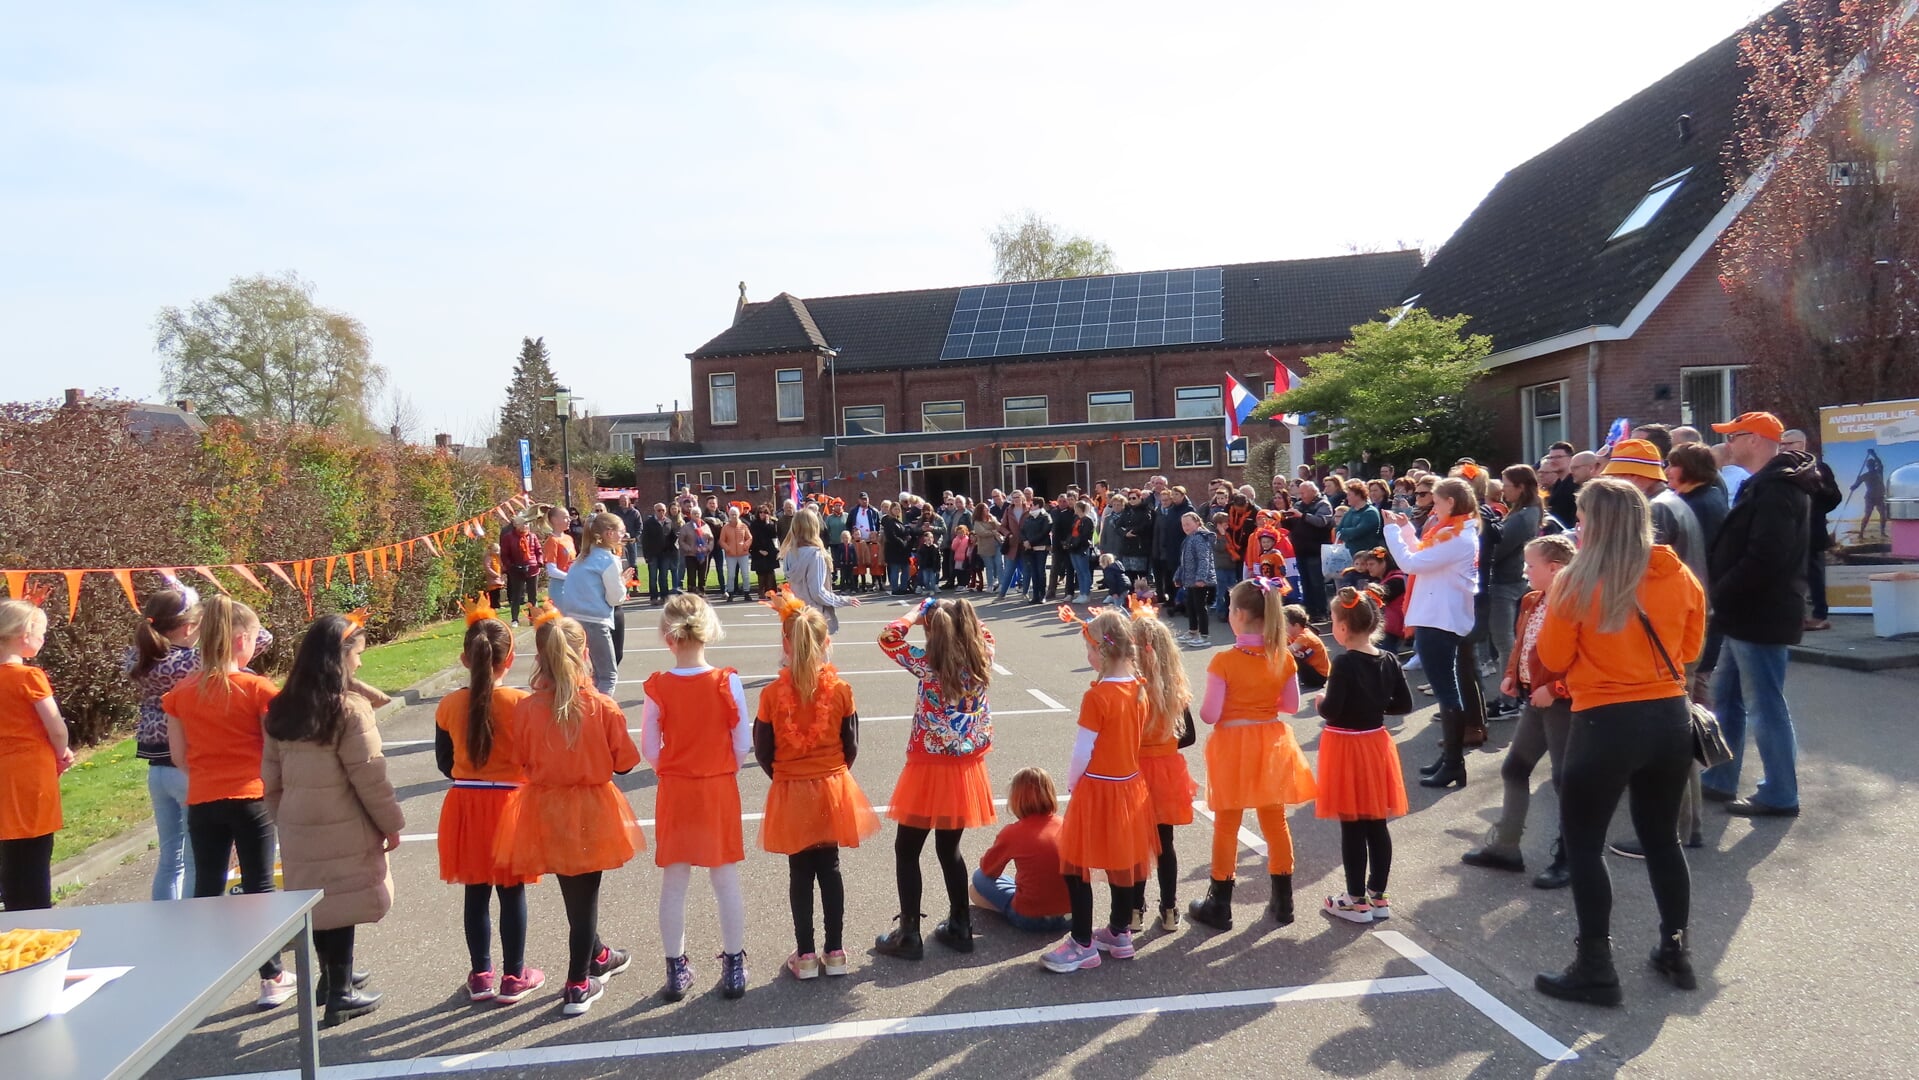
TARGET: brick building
(1036,384)
(1594,269)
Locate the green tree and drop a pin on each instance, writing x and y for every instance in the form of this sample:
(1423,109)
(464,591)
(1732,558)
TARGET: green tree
(529,412)
(1399,388)
(264,350)
(1027,247)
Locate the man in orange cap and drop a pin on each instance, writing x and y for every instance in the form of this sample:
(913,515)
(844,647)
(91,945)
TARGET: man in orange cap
(1757,592)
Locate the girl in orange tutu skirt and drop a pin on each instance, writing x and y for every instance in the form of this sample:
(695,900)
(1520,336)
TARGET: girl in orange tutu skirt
(1109,823)
(1169,730)
(472,740)
(1253,761)
(1359,778)
(695,733)
(806,737)
(568,819)
(944,788)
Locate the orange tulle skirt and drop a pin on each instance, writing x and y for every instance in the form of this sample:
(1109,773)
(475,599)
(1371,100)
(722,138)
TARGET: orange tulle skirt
(938,791)
(816,811)
(697,821)
(1253,765)
(469,825)
(1109,827)
(1170,787)
(1359,777)
(566,830)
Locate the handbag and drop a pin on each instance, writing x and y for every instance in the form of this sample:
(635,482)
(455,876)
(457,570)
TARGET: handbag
(1708,741)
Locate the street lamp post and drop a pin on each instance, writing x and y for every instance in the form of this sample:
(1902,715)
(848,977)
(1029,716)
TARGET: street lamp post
(563,407)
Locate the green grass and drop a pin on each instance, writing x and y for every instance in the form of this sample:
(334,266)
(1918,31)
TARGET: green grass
(429,650)
(100,797)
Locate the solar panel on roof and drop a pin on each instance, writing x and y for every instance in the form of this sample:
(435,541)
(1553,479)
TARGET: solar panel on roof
(1120,311)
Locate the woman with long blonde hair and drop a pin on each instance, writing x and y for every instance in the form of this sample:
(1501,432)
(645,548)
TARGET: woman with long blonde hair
(809,569)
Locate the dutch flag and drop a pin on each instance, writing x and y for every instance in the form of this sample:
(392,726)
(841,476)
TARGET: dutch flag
(1283,380)
(1240,404)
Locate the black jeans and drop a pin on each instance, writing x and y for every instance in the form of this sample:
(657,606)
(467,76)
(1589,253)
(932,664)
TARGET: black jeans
(228,828)
(580,895)
(1163,574)
(821,864)
(26,873)
(906,870)
(655,579)
(479,928)
(619,635)
(1199,606)
(1366,848)
(521,590)
(1168,873)
(1643,748)
(1035,564)
(1312,586)
(1080,891)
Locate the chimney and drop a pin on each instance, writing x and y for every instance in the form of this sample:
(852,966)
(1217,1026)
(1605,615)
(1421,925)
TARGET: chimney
(1685,128)
(75,396)
(443,441)
(739,309)
(185,404)
(395,432)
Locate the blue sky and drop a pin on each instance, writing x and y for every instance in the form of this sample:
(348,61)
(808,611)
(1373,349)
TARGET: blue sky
(460,175)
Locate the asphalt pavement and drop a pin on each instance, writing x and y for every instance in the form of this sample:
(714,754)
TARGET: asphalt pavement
(1800,928)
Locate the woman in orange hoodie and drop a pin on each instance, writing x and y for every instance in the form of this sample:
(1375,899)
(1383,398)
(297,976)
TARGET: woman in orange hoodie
(1622,621)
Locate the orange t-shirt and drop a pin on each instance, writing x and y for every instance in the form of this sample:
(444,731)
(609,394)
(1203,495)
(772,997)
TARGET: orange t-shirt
(558,550)
(1253,689)
(816,724)
(1165,747)
(697,718)
(1115,713)
(1309,650)
(597,746)
(500,767)
(29,769)
(224,737)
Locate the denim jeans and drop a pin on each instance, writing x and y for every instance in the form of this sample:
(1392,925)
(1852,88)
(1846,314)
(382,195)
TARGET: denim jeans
(599,649)
(1034,563)
(167,787)
(1228,577)
(734,574)
(656,580)
(998,891)
(1503,611)
(1438,652)
(996,571)
(1751,682)
(675,565)
(1083,571)
(1312,589)
(896,576)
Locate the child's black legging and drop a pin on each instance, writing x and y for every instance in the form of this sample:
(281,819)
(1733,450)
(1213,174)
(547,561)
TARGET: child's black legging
(906,857)
(1199,603)
(581,895)
(26,873)
(1168,874)
(1367,850)
(479,927)
(243,829)
(1080,891)
(820,864)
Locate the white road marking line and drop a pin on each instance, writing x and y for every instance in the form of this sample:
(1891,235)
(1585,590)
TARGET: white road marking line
(997,669)
(1495,1010)
(533,1057)
(1049,702)
(1246,836)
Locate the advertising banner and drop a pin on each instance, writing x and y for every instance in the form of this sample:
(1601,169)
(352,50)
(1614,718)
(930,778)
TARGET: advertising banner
(1873,452)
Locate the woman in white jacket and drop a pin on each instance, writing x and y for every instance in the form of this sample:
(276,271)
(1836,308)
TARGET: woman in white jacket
(808,570)
(1444,565)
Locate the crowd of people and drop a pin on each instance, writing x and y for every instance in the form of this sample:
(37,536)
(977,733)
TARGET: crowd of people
(1589,598)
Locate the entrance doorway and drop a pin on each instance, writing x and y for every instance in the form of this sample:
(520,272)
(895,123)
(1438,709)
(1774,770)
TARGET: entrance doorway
(1051,479)
(1048,470)
(928,484)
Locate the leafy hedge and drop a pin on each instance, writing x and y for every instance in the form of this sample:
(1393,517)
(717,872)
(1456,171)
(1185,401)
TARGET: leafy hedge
(78,488)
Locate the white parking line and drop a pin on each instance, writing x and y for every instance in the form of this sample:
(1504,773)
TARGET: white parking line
(1049,702)
(998,669)
(1495,1010)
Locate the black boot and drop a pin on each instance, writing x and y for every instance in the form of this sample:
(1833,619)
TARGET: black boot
(956,933)
(1590,978)
(1452,772)
(1452,766)
(1280,907)
(1448,721)
(1216,910)
(347,1001)
(360,979)
(1673,959)
(1558,875)
(1438,764)
(903,940)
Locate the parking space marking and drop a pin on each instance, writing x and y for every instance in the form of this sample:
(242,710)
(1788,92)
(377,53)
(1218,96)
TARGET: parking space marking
(1049,702)
(1494,1009)
(999,669)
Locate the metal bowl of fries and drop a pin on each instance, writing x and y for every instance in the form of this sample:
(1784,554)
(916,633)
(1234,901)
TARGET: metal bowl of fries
(33,969)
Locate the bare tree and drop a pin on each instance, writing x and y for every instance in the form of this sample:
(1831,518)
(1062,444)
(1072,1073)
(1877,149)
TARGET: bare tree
(1027,247)
(400,417)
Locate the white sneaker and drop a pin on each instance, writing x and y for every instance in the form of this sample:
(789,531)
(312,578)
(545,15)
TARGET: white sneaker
(278,990)
(1411,665)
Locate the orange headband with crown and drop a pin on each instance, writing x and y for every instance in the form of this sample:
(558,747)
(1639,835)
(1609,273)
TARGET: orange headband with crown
(545,613)
(478,609)
(785,603)
(355,622)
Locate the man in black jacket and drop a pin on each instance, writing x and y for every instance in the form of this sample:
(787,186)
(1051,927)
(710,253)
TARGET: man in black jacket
(1310,524)
(1168,536)
(656,546)
(1758,582)
(1035,540)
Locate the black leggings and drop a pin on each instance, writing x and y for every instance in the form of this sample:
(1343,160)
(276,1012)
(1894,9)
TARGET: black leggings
(619,634)
(1471,694)
(521,590)
(479,927)
(581,896)
(906,858)
(1080,891)
(820,864)
(1199,603)
(1641,747)
(26,873)
(228,828)
(1367,850)
(1168,868)
(335,950)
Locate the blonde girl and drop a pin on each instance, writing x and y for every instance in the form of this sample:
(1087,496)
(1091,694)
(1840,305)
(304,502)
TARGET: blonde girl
(810,571)
(695,732)
(33,754)
(592,592)
(1253,762)
(1168,730)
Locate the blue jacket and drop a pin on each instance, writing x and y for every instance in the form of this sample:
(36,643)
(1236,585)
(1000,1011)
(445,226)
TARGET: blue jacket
(583,594)
(1196,560)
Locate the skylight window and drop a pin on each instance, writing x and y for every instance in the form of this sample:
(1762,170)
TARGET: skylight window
(1655,200)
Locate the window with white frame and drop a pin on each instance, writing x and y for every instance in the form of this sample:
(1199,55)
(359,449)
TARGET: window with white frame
(942,416)
(1708,396)
(722,398)
(752,479)
(706,481)
(679,482)
(1542,411)
(1191,453)
(1192,402)
(1028,411)
(863,420)
(1236,451)
(1138,455)
(726,481)
(790,387)
(1107,406)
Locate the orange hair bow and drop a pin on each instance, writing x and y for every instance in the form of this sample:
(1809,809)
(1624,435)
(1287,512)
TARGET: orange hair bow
(1066,615)
(1469,470)
(355,622)
(478,609)
(545,613)
(783,602)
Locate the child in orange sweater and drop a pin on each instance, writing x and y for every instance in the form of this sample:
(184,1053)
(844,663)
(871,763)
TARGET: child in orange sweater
(1034,900)
(1309,652)
(33,754)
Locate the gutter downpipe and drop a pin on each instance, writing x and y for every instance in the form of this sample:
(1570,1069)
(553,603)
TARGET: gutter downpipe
(1592,393)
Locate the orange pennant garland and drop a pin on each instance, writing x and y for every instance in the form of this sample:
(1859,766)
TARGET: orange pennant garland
(274,567)
(16,584)
(247,576)
(73,590)
(125,578)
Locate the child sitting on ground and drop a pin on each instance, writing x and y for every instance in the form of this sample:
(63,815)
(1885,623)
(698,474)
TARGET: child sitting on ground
(1113,580)
(1143,591)
(1309,652)
(1034,900)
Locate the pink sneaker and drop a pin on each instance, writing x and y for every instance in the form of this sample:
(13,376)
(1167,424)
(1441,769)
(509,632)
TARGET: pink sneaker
(1070,955)
(1119,944)
(515,987)
(479,986)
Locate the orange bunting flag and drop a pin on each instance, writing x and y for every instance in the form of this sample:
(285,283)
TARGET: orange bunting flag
(330,560)
(125,578)
(247,576)
(281,574)
(16,584)
(351,576)
(502,512)
(207,572)
(399,556)
(73,591)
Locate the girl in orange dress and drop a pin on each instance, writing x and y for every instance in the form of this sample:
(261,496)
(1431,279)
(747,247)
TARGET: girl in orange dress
(806,738)
(944,788)
(472,742)
(1169,730)
(1253,761)
(1359,778)
(1109,823)
(33,754)
(568,819)
(695,732)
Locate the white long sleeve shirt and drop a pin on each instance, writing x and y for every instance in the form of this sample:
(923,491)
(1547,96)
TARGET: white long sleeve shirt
(1446,575)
